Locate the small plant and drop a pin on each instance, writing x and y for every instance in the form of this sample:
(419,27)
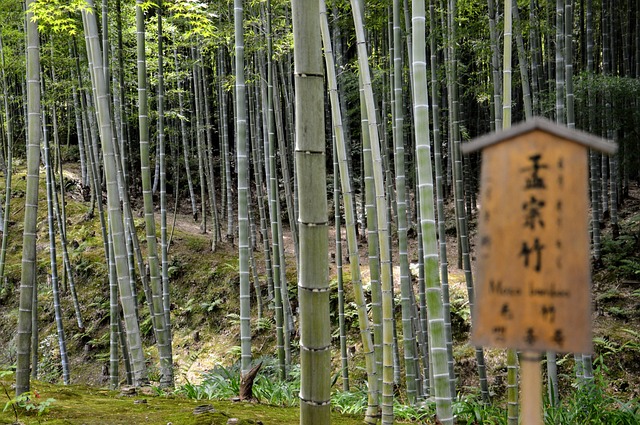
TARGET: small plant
(220,383)
(621,256)
(276,391)
(350,402)
(263,324)
(473,411)
(28,401)
(592,405)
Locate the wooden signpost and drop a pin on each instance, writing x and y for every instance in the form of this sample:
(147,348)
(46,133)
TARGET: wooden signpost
(533,282)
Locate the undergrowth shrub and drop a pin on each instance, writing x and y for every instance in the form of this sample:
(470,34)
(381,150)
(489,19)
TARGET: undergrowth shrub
(589,404)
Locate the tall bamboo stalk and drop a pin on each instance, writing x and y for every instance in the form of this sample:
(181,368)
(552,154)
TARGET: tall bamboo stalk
(495,66)
(512,357)
(523,65)
(243,186)
(164,258)
(406,290)
(28,274)
(313,279)
(113,196)
(587,366)
(461,213)
(157,312)
(62,344)
(274,209)
(435,311)
(352,242)
(9,170)
(440,185)
(183,135)
(381,219)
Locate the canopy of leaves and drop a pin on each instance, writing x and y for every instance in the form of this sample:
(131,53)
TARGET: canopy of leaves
(59,16)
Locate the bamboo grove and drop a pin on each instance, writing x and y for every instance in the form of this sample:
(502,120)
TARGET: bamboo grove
(209,104)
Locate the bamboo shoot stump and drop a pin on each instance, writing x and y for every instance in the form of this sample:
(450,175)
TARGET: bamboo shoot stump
(246,383)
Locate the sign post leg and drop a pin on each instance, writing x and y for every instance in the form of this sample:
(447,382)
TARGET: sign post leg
(531,388)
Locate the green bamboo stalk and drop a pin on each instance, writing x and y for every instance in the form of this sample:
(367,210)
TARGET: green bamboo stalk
(437,158)
(64,358)
(166,300)
(243,186)
(273,193)
(461,214)
(434,296)
(261,186)
(157,313)
(113,196)
(495,67)
(313,279)
(587,370)
(352,242)
(382,219)
(373,246)
(253,114)
(512,358)
(195,70)
(183,134)
(216,234)
(28,274)
(401,197)
(338,257)
(9,171)
(523,64)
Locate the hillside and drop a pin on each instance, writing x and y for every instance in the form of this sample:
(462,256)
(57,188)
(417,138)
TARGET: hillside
(204,294)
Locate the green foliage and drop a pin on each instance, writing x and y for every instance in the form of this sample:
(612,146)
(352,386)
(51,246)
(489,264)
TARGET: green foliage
(224,383)
(195,17)
(350,402)
(592,405)
(29,402)
(219,384)
(264,324)
(473,411)
(608,350)
(621,255)
(58,16)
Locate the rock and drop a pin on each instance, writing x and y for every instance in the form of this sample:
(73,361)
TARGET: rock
(148,391)
(233,421)
(141,401)
(128,391)
(203,408)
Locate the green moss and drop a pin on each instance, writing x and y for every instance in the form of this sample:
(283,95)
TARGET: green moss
(85,405)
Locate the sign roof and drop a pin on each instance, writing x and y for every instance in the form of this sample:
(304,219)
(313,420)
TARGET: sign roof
(541,124)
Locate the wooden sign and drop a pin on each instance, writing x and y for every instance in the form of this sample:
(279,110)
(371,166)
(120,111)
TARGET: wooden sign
(534,284)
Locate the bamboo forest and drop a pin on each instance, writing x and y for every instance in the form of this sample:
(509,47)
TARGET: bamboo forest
(283,212)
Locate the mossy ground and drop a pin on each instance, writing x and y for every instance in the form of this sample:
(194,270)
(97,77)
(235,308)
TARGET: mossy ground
(76,405)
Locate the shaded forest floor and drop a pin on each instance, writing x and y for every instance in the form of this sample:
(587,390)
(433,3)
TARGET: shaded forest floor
(205,314)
